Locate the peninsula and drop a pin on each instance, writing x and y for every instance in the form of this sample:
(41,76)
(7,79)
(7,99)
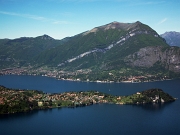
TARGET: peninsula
(15,100)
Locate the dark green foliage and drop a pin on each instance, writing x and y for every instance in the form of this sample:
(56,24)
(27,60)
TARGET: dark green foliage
(158,92)
(148,96)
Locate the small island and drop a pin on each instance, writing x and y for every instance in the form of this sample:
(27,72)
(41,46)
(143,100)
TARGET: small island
(15,100)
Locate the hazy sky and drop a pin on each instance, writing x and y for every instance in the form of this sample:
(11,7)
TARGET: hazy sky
(62,18)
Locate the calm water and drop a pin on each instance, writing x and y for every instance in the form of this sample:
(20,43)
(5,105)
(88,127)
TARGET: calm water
(96,119)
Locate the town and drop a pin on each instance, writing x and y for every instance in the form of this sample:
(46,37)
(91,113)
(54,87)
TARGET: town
(86,75)
(12,101)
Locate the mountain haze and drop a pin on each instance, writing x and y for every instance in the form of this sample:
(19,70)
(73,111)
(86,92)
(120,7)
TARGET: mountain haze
(172,38)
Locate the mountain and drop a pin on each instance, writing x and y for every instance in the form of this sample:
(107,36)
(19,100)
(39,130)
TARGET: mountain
(172,38)
(109,52)
(20,51)
(106,44)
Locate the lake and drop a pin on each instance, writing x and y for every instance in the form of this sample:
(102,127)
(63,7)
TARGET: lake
(96,119)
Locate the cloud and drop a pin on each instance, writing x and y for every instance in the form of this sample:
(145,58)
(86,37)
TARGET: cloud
(162,21)
(24,15)
(34,17)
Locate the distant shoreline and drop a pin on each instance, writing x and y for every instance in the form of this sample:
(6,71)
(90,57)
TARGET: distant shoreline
(105,82)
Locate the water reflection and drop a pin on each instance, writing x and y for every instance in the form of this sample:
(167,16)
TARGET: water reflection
(26,114)
(154,106)
(18,115)
(147,107)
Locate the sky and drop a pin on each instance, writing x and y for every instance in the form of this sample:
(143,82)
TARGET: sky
(65,18)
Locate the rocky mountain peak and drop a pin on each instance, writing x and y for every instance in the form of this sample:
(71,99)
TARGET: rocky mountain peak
(114,25)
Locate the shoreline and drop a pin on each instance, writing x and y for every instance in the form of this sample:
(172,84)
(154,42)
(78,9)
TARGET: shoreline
(106,82)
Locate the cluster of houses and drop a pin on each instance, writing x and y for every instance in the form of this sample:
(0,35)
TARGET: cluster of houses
(7,96)
(76,98)
(15,71)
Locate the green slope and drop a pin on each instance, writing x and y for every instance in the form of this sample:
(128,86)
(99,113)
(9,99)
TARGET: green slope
(100,38)
(18,52)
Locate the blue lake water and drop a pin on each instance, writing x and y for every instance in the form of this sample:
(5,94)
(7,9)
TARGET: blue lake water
(96,119)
